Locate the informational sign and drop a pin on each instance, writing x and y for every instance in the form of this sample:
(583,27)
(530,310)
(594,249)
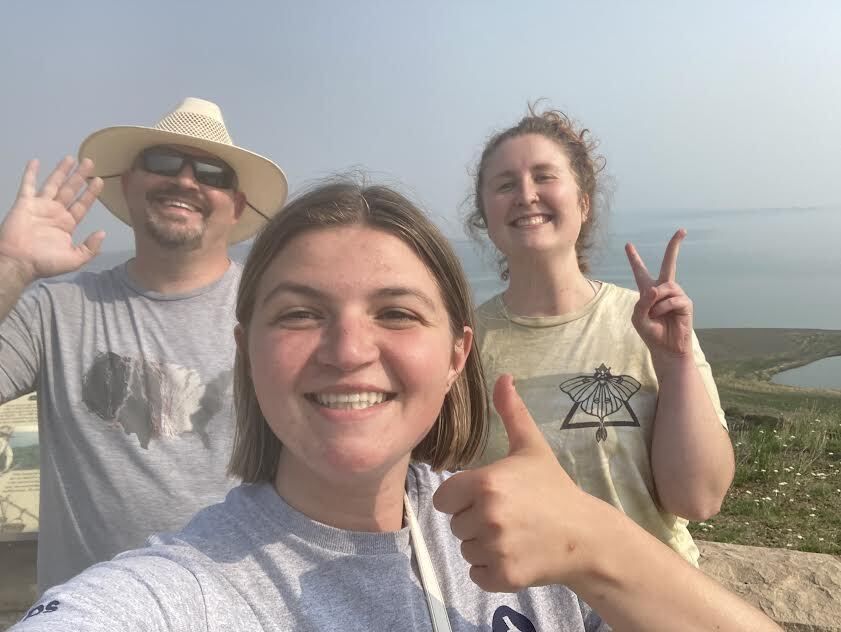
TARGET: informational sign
(20,474)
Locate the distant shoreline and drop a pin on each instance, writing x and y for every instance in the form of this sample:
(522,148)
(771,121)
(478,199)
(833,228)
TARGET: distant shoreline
(745,359)
(781,348)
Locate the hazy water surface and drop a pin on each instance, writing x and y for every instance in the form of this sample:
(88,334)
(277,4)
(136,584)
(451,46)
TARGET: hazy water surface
(825,373)
(742,268)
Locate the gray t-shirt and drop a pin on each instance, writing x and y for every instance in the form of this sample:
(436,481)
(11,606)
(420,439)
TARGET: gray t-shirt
(254,563)
(135,412)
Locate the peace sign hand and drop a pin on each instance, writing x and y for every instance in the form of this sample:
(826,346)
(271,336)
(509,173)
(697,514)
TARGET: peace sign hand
(663,314)
(521,519)
(37,233)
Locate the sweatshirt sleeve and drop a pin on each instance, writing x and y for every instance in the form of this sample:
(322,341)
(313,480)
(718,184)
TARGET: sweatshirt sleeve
(139,593)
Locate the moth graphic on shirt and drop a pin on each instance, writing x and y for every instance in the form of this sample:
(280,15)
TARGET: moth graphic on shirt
(153,400)
(600,395)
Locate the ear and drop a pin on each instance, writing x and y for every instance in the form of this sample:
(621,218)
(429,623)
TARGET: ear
(461,350)
(585,208)
(239,204)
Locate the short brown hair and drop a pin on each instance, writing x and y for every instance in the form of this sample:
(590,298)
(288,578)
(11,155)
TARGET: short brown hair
(580,148)
(460,431)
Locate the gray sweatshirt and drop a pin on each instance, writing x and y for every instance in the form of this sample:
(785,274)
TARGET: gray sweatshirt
(254,563)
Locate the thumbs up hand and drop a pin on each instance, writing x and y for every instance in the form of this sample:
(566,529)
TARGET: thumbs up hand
(521,519)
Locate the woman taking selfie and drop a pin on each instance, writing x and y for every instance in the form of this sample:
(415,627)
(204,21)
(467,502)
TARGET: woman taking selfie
(615,379)
(356,385)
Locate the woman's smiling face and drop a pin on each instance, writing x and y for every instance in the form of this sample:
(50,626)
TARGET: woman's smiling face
(530,197)
(351,352)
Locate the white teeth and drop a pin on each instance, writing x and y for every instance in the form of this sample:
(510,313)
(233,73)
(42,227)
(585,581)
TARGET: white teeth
(178,204)
(531,220)
(353,401)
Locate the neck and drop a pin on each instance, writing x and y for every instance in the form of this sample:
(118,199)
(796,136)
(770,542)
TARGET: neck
(372,504)
(546,287)
(175,271)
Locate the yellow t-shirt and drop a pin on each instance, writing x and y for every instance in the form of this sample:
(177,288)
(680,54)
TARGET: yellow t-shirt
(588,381)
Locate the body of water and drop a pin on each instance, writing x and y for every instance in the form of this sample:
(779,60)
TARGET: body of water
(742,268)
(825,373)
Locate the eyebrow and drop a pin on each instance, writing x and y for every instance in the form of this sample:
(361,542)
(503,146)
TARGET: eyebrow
(399,291)
(295,288)
(541,166)
(311,292)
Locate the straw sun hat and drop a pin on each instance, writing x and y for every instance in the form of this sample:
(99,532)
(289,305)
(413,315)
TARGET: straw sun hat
(194,123)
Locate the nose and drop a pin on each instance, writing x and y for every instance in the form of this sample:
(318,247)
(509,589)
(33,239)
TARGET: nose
(526,192)
(349,343)
(187,177)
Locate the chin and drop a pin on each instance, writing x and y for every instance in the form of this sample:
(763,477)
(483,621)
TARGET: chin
(177,239)
(543,246)
(346,463)
(174,234)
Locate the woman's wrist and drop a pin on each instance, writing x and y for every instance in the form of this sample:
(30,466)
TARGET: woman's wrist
(668,364)
(594,554)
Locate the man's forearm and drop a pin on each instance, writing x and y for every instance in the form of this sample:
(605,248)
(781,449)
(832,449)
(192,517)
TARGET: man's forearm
(14,277)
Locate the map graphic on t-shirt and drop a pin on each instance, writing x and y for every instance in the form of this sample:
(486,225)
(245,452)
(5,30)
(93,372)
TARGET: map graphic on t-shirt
(153,400)
(600,395)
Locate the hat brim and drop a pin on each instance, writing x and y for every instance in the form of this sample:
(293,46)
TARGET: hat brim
(114,149)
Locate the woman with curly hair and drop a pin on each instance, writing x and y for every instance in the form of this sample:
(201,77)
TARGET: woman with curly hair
(615,379)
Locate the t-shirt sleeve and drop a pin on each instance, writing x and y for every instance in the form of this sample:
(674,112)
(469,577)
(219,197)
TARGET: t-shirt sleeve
(20,346)
(707,376)
(141,593)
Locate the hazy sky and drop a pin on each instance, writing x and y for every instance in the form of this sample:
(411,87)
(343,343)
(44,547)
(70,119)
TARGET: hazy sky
(710,105)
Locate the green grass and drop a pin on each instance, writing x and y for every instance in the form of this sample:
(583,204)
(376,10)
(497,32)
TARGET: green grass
(787,489)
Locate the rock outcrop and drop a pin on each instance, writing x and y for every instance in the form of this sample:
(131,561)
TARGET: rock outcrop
(801,591)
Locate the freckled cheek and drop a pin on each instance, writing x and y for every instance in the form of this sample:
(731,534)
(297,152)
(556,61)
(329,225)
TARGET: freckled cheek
(277,360)
(426,366)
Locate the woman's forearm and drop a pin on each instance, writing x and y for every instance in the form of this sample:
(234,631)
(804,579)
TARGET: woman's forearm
(691,454)
(636,583)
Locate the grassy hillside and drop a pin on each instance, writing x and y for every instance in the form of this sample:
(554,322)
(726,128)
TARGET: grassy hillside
(787,488)
(739,350)
(744,360)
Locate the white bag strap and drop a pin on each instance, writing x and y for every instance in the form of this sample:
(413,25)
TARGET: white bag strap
(434,598)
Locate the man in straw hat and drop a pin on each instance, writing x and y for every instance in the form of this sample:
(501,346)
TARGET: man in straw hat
(132,365)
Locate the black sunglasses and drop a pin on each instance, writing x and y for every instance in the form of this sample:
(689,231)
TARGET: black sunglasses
(166,161)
